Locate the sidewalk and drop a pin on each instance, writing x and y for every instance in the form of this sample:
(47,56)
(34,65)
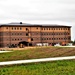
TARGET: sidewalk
(37,60)
(4,51)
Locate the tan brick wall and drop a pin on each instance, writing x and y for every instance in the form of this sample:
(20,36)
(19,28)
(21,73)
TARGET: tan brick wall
(9,34)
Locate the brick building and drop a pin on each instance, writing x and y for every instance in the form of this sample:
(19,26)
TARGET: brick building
(14,33)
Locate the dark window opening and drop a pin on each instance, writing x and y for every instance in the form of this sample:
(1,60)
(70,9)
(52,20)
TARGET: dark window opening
(20,39)
(6,27)
(12,39)
(24,43)
(15,28)
(20,33)
(31,39)
(26,34)
(37,28)
(12,28)
(26,29)
(47,38)
(20,28)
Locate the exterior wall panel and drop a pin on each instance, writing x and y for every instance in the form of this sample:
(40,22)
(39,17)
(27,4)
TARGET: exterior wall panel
(13,34)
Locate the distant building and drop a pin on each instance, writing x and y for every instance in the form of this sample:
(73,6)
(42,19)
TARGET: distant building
(13,34)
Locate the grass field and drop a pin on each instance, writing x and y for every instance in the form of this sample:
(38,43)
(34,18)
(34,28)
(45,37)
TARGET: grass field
(44,52)
(66,67)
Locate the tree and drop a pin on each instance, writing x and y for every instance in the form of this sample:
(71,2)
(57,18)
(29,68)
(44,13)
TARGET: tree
(74,42)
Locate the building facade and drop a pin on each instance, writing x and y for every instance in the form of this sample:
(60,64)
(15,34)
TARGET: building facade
(14,33)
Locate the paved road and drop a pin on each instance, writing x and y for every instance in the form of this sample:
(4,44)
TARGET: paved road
(4,51)
(37,60)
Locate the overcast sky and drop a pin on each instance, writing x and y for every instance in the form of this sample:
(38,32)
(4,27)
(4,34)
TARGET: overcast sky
(39,11)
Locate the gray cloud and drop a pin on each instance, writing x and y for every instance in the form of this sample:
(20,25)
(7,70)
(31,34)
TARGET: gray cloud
(41,10)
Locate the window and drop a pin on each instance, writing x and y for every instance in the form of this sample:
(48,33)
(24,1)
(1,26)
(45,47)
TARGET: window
(47,33)
(31,39)
(6,27)
(47,28)
(57,38)
(7,33)
(61,28)
(41,33)
(37,28)
(26,34)
(20,39)
(12,28)
(7,44)
(68,29)
(20,28)
(59,33)
(36,33)
(52,33)
(12,39)
(15,44)
(52,38)
(41,28)
(47,38)
(69,38)
(42,39)
(54,28)
(17,33)
(26,29)
(37,38)
(15,28)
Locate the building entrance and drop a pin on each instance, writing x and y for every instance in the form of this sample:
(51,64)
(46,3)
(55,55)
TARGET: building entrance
(23,44)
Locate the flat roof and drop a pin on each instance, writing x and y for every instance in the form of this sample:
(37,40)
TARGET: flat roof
(32,25)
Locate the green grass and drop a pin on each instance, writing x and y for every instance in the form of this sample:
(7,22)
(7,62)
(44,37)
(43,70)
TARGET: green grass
(44,52)
(66,67)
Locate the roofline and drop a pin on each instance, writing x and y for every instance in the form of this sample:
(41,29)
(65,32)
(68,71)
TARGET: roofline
(34,25)
(21,25)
